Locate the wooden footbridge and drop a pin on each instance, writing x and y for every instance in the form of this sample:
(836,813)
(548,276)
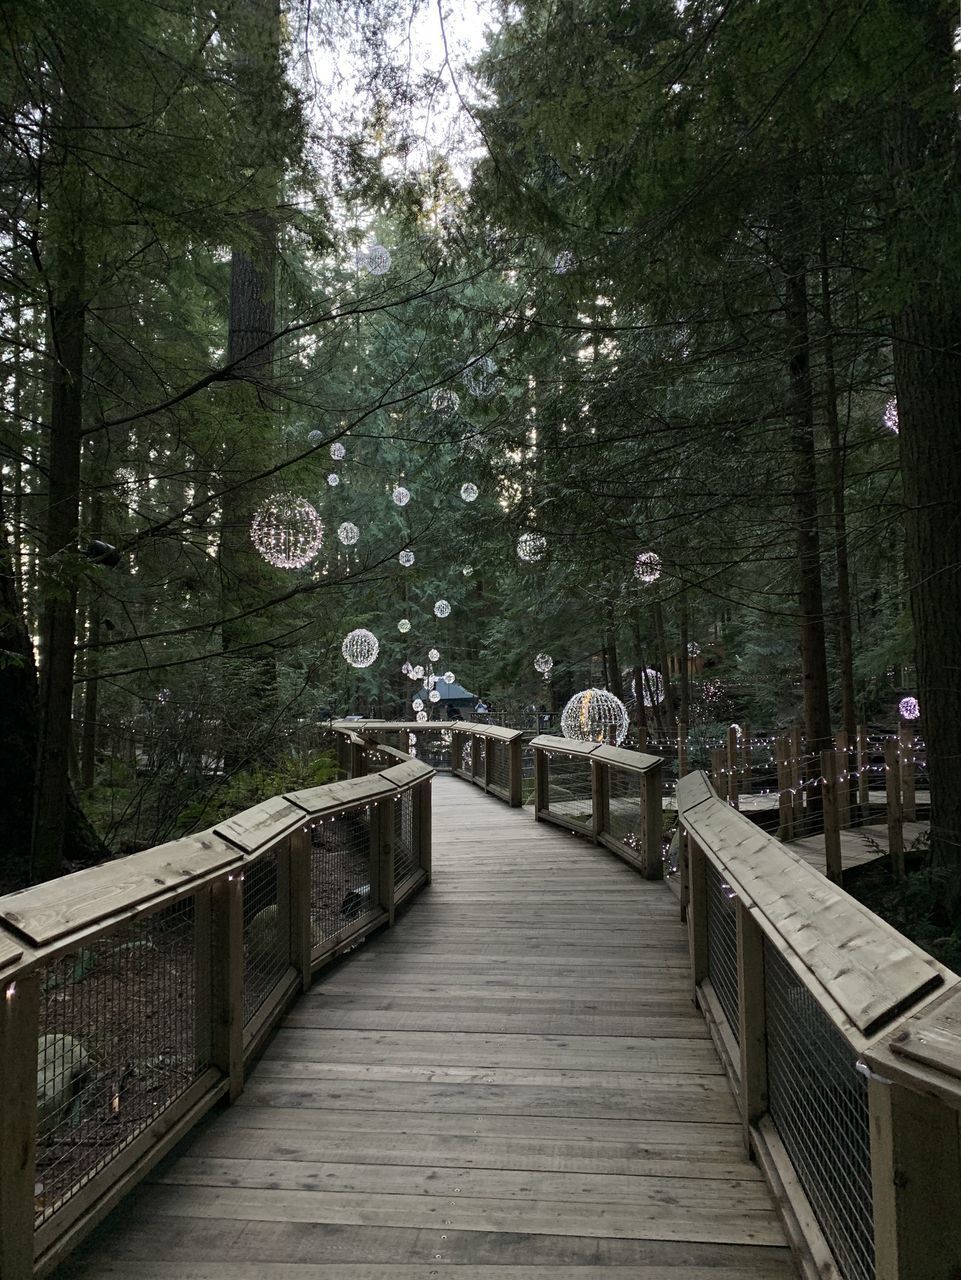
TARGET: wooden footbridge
(541,1063)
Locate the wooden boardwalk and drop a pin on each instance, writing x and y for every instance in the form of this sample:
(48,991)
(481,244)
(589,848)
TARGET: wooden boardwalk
(512,1083)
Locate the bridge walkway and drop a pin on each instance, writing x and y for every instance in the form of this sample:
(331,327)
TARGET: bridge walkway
(512,1083)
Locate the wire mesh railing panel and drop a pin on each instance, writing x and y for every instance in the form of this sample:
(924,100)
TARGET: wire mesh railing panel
(266,933)
(340,873)
(625,806)
(434,748)
(119,1043)
(569,789)
(465,751)
(405,851)
(818,1103)
(500,775)
(722,943)
(481,757)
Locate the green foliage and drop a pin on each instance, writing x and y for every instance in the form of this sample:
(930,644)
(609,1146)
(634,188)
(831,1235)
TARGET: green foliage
(294,772)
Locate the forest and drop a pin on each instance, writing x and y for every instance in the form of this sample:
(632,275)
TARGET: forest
(563,340)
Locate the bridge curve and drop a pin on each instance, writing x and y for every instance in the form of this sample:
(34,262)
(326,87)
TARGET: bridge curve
(511,1081)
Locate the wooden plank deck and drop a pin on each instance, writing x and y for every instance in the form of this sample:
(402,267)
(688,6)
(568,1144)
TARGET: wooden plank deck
(512,1084)
(857,844)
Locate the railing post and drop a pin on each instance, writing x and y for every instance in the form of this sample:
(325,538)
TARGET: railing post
(752,1039)
(733,766)
(384,830)
(652,852)
(488,764)
(541,782)
(892,787)
(697,913)
(909,810)
(475,756)
(227,979)
(916,1179)
(421,799)
(864,781)
(600,791)
(829,808)
(515,769)
(19,1033)
(298,895)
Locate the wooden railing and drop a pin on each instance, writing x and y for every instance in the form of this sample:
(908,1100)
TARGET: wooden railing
(607,793)
(135,994)
(842,1040)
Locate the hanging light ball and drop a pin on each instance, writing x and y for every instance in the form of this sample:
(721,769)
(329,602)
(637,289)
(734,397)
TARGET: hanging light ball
(891,416)
(126,477)
(348,533)
(468,570)
(469,492)
(417,672)
(445,401)
(418,704)
(286,531)
(544,663)
(333,479)
(594,715)
(360,647)
(647,567)
(422,716)
(433,655)
(448,677)
(479,378)
(652,687)
(434,695)
(406,558)
(375,259)
(314,438)
(694,648)
(401,496)
(406,668)
(564,262)
(442,608)
(909,709)
(531,547)
(403,626)
(338,451)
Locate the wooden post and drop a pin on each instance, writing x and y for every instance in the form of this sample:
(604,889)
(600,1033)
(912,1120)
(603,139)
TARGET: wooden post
(697,913)
(301,942)
(683,871)
(916,1183)
(842,745)
(19,1032)
(652,818)
(746,762)
(488,763)
(421,798)
(892,786)
(733,766)
(599,799)
(752,1040)
(794,767)
(475,756)
(681,749)
(227,979)
(515,772)
(541,782)
(830,804)
(908,798)
(785,800)
(864,778)
(385,840)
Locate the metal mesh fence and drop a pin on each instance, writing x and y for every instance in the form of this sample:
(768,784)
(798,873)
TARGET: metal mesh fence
(481,757)
(266,937)
(340,873)
(819,1106)
(722,943)
(625,806)
(405,853)
(466,751)
(434,747)
(569,792)
(119,1042)
(500,764)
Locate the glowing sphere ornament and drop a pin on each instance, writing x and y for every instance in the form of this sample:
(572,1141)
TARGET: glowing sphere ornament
(314,438)
(594,715)
(401,496)
(406,558)
(469,492)
(694,648)
(544,663)
(418,704)
(445,402)
(434,695)
(333,479)
(448,677)
(375,259)
(468,570)
(442,609)
(422,716)
(337,451)
(403,626)
(433,655)
(909,709)
(652,687)
(286,531)
(417,672)
(647,567)
(360,647)
(891,417)
(479,378)
(348,533)
(531,547)
(564,262)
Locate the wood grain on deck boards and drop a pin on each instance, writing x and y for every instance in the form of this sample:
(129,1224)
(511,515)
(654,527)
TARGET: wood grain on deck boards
(512,1084)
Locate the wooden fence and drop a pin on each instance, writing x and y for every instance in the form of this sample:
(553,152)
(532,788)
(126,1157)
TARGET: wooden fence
(842,1041)
(134,994)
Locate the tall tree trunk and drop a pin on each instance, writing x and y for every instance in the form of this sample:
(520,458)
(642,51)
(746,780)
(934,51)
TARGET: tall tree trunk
(814,674)
(685,715)
(924,167)
(614,682)
(660,641)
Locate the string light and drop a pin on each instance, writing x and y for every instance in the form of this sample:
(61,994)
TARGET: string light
(360,647)
(442,608)
(647,567)
(348,533)
(891,420)
(652,687)
(286,531)
(531,547)
(469,492)
(595,715)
